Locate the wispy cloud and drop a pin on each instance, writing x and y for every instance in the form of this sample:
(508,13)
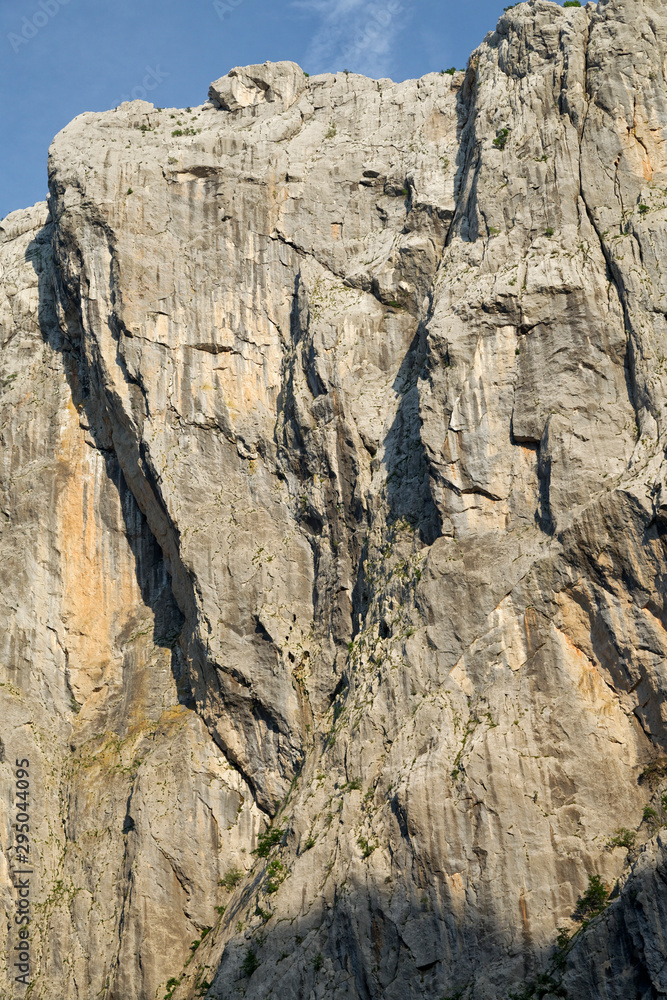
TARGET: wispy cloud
(353,34)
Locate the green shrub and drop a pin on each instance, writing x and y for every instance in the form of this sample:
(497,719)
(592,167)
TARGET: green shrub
(654,771)
(593,900)
(318,962)
(571,3)
(366,848)
(502,135)
(548,231)
(231,879)
(623,838)
(268,840)
(250,963)
(643,209)
(563,938)
(276,872)
(649,815)
(171,987)
(451,71)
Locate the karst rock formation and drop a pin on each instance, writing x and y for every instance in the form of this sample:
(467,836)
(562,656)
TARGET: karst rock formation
(333,521)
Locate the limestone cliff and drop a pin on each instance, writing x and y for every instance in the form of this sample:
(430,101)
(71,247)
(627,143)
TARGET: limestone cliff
(333,416)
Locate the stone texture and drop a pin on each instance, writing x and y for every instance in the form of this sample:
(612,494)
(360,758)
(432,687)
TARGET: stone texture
(334,496)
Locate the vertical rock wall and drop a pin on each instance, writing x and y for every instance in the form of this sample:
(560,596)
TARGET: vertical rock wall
(332,458)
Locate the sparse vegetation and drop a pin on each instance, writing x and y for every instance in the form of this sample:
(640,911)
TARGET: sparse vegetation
(649,815)
(231,879)
(172,984)
(572,3)
(250,963)
(536,990)
(563,938)
(502,135)
(277,875)
(594,900)
(548,231)
(268,840)
(366,847)
(623,838)
(654,771)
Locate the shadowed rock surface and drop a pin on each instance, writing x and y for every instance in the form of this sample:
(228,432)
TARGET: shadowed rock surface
(332,503)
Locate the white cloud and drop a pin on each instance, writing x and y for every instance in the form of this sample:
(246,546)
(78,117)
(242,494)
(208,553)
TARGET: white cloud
(353,34)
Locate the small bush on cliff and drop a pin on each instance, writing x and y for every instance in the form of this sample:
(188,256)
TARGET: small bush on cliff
(250,963)
(502,135)
(650,815)
(171,987)
(231,879)
(268,840)
(623,838)
(571,3)
(366,847)
(593,900)
(654,771)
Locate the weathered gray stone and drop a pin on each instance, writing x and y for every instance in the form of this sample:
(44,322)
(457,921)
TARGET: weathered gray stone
(345,400)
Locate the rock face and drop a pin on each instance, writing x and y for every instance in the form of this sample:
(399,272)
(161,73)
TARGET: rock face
(332,505)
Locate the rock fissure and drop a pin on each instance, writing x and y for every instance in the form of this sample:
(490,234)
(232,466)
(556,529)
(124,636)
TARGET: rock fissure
(370,526)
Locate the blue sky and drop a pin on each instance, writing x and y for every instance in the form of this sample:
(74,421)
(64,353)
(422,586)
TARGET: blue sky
(61,57)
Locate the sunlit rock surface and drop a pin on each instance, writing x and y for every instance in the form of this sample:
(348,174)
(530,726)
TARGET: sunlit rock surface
(332,498)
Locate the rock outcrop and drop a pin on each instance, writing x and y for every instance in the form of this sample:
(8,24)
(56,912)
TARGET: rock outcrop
(332,506)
